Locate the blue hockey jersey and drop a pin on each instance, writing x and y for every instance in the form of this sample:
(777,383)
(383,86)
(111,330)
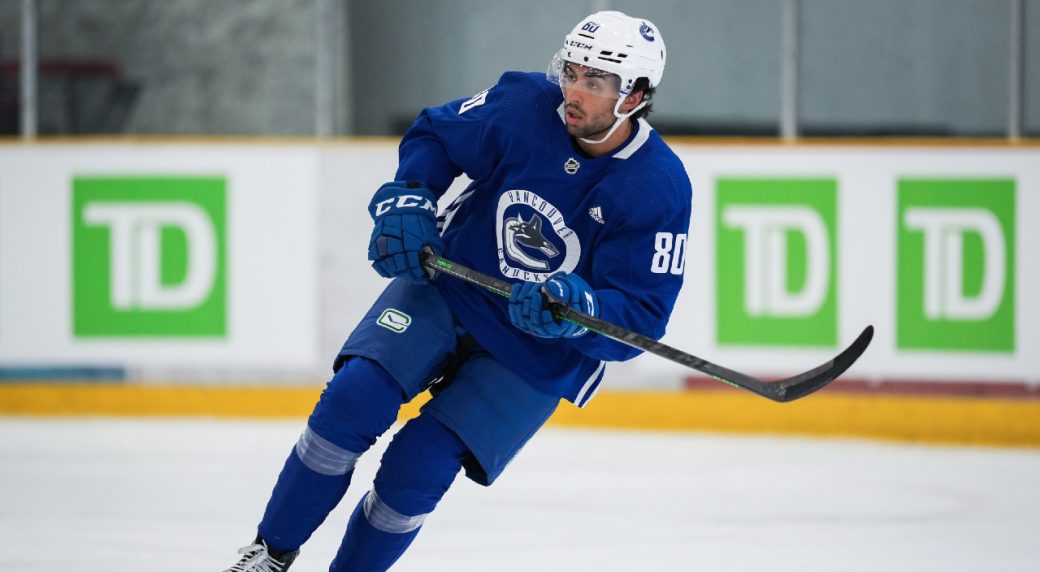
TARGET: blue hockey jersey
(539,205)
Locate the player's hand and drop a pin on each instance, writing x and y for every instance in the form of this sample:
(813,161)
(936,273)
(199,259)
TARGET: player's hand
(406,221)
(528,308)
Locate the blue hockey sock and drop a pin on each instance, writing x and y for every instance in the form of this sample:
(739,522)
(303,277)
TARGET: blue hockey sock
(358,405)
(301,500)
(416,471)
(365,548)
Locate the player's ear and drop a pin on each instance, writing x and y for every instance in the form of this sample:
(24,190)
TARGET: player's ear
(631,100)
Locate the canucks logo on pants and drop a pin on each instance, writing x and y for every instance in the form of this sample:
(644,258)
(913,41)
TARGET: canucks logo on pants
(534,240)
(394,320)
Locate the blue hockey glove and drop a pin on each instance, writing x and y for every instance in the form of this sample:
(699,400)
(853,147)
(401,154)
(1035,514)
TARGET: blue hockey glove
(406,220)
(527,307)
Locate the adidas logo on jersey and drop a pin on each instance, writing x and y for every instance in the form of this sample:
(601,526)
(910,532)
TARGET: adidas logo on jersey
(571,166)
(597,214)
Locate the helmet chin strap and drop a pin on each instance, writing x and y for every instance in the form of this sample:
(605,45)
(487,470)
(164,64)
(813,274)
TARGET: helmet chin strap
(617,123)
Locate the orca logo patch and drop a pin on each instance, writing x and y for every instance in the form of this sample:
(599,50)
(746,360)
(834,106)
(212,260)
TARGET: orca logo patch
(534,240)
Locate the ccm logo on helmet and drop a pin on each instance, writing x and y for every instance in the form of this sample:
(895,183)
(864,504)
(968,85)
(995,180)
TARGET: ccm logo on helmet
(579,45)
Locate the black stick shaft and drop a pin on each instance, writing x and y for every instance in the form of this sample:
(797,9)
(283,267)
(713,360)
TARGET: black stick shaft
(782,391)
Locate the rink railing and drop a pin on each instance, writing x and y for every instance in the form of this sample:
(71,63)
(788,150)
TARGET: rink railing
(932,419)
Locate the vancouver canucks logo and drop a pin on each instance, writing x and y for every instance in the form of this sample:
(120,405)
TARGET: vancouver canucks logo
(522,233)
(647,32)
(533,238)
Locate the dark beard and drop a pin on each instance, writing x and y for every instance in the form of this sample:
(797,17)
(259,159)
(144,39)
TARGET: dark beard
(590,130)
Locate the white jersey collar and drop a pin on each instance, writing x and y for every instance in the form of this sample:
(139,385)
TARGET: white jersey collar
(642,136)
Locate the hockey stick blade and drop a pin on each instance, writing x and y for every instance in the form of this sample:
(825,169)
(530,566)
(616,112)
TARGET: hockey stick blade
(780,391)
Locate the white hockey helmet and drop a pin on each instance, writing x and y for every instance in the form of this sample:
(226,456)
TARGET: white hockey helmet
(616,43)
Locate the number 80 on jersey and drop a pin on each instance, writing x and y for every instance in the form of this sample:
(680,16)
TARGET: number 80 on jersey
(669,253)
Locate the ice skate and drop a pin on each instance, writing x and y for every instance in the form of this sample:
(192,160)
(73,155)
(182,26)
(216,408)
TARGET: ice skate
(257,558)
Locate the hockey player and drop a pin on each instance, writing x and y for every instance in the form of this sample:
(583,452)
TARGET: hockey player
(573,194)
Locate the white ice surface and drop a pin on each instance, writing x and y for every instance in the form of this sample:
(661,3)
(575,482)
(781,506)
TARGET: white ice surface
(182,495)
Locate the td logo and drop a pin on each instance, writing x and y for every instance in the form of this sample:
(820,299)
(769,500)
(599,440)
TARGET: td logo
(956,269)
(149,256)
(776,261)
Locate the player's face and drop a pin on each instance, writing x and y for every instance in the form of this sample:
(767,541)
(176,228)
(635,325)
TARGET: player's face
(590,96)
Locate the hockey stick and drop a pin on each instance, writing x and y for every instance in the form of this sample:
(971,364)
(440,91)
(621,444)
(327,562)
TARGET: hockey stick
(781,391)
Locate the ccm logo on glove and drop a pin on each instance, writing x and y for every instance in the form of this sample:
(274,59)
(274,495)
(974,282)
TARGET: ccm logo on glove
(402,202)
(406,222)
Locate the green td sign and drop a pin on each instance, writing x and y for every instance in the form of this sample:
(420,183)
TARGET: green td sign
(776,261)
(956,264)
(149,257)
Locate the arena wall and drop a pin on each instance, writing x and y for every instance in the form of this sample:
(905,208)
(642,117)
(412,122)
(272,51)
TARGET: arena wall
(240,264)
